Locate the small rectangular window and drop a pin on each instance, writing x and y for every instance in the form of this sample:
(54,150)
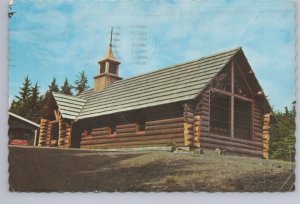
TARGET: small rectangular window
(141,125)
(113,68)
(102,68)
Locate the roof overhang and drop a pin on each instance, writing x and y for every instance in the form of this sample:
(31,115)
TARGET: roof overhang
(23,119)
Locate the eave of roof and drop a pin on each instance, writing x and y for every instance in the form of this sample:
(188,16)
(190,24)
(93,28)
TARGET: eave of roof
(23,119)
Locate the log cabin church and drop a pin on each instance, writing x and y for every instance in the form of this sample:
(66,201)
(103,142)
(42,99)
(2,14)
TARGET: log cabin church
(212,102)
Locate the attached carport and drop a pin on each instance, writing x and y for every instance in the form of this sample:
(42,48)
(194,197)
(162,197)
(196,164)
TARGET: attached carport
(21,128)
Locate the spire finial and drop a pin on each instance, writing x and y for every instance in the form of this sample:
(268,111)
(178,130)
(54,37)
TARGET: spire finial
(109,54)
(111,33)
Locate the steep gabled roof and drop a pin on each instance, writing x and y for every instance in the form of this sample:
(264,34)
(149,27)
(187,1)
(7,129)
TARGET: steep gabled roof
(69,106)
(172,84)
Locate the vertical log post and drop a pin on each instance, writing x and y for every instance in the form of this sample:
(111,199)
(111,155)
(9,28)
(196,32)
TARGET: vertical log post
(197,128)
(43,132)
(48,138)
(60,133)
(266,135)
(64,139)
(68,134)
(232,101)
(188,114)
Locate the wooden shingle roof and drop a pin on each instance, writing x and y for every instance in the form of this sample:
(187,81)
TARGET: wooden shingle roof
(69,106)
(172,84)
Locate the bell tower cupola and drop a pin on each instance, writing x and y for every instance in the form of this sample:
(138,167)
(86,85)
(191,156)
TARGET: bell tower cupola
(108,69)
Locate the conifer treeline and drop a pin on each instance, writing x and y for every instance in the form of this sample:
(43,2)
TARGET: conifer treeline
(30,102)
(283,136)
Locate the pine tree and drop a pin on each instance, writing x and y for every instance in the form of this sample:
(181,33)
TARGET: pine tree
(21,104)
(53,87)
(35,103)
(81,83)
(66,88)
(15,106)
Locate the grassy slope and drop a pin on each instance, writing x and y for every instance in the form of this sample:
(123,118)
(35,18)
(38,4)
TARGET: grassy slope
(45,169)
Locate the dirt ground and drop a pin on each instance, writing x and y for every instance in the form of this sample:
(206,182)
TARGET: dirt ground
(49,169)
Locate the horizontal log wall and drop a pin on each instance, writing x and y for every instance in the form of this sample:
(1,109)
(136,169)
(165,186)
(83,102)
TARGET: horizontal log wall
(257,123)
(202,117)
(158,132)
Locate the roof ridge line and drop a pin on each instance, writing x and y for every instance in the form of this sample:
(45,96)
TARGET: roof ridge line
(186,62)
(175,65)
(71,96)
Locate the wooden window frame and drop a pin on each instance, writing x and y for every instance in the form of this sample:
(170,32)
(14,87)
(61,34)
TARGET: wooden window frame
(234,96)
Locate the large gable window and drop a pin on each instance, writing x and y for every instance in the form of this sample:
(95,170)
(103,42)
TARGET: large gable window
(231,109)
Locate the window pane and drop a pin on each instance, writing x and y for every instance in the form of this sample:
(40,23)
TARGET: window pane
(242,119)
(102,68)
(113,68)
(219,114)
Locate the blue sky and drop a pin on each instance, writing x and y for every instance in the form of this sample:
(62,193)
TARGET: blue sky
(61,38)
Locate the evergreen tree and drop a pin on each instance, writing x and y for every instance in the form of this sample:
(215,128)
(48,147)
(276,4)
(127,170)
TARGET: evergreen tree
(81,83)
(15,106)
(35,103)
(53,87)
(28,103)
(282,141)
(21,104)
(66,88)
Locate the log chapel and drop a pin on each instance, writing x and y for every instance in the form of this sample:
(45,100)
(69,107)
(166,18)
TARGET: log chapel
(212,102)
